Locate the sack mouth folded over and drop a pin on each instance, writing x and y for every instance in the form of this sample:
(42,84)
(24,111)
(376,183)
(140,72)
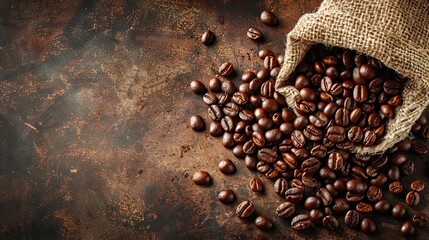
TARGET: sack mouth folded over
(394,31)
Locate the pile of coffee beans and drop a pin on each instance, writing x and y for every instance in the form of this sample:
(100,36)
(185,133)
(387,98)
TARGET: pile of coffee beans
(345,99)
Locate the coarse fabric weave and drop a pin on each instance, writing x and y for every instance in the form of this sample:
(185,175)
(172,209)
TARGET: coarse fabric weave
(393,31)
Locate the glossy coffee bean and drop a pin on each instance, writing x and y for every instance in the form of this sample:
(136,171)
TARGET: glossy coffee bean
(360,93)
(352,219)
(368,226)
(363,207)
(196,122)
(215,129)
(374,193)
(256,184)
(202,178)
(245,209)
(198,87)
(228,88)
(330,223)
(268,18)
(412,198)
(270,62)
(294,194)
(207,37)
(226,196)
(226,69)
(395,187)
(215,85)
(263,223)
(407,229)
(312,202)
(301,222)
(254,33)
(368,71)
(392,87)
(285,210)
(280,186)
(417,186)
(398,210)
(356,186)
(382,206)
(267,155)
(340,206)
(421,220)
(226,166)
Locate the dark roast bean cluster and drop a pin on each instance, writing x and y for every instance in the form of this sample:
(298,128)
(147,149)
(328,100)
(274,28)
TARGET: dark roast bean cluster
(345,99)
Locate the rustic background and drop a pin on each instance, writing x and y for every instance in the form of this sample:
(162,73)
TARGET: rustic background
(94,104)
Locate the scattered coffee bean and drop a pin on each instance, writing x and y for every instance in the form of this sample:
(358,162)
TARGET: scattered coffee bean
(207,37)
(202,178)
(398,211)
(268,18)
(421,220)
(412,198)
(198,87)
(352,218)
(245,209)
(382,206)
(280,186)
(226,196)
(264,223)
(226,166)
(197,123)
(256,184)
(395,187)
(417,186)
(368,226)
(254,33)
(285,210)
(407,229)
(330,223)
(301,222)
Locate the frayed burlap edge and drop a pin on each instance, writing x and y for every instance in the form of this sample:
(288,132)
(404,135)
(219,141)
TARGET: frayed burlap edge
(345,24)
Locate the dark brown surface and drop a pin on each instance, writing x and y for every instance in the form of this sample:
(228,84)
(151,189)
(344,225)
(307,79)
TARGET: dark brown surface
(93,120)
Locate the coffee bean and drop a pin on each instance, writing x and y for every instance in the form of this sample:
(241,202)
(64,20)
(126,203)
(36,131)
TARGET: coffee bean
(305,107)
(395,187)
(239,152)
(268,18)
(332,72)
(256,184)
(226,196)
(270,106)
(280,186)
(312,202)
(348,58)
(215,85)
(319,119)
(250,162)
(267,89)
(376,85)
(408,168)
(226,166)
(223,99)
(228,88)
(254,33)
(387,111)
(280,166)
(249,147)
(368,71)
(356,186)
(290,160)
(245,209)
(231,109)
(265,52)
(398,211)
(248,76)
(360,93)
(374,193)
(369,138)
(226,69)
(288,115)
(325,196)
(419,147)
(300,122)
(197,123)
(207,37)
(342,117)
(202,178)
(412,198)
(210,98)
(363,207)
(301,222)
(228,140)
(293,194)
(240,98)
(270,62)
(336,134)
(312,133)
(336,89)
(335,161)
(417,186)
(245,88)
(198,87)
(327,174)
(330,223)
(355,134)
(326,84)
(374,120)
(395,101)
(407,229)
(352,219)
(368,226)
(318,151)
(302,82)
(215,129)
(263,223)
(394,173)
(421,220)
(227,124)
(246,115)
(267,155)
(285,210)
(382,206)
(340,206)
(392,87)
(310,165)
(298,139)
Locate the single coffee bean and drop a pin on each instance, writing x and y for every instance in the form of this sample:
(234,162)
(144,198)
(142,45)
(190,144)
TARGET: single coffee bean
(226,166)
(319,119)
(265,52)
(298,139)
(305,107)
(392,87)
(421,220)
(227,124)
(395,187)
(417,186)
(336,89)
(198,87)
(310,165)
(319,151)
(296,183)
(412,198)
(273,135)
(301,222)
(356,186)
(408,168)
(250,162)
(300,122)
(340,185)
(268,18)
(248,76)
(309,182)
(226,196)
(336,134)
(215,129)
(376,85)
(419,147)
(368,226)
(280,186)
(325,196)
(327,174)
(202,178)
(210,98)
(207,37)
(285,210)
(294,194)
(319,67)
(280,166)
(374,120)
(360,59)
(245,88)
(374,193)
(382,206)
(332,72)
(335,161)
(270,62)
(407,229)
(290,160)
(355,134)
(368,71)
(363,207)
(228,140)
(254,33)
(197,123)
(312,133)
(240,98)
(342,117)
(231,109)
(369,138)
(228,88)
(256,184)
(312,202)
(330,223)
(302,81)
(387,111)
(360,93)
(245,209)
(340,206)
(316,216)
(238,151)
(326,84)
(398,211)
(226,69)
(267,89)
(263,223)
(398,158)
(352,219)
(223,99)
(215,85)
(270,106)
(394,173)
(395,101)
(267,155)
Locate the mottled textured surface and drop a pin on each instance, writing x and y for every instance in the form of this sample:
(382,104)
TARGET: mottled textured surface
(94,105)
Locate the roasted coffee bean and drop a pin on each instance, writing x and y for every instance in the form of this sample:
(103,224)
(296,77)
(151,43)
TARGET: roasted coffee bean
(210,98)
(301,222)
(250,162)
(228,140)
(395,101)
(207,37)
(325,196)
(255,85)
(387,111)
(215,129)
(332,72)
(360,93)
(382,206)
(258,138)
(312,202)
(319,119)
(421,220)
(326,97)
(280,186)
(268,18)
(288,115)
(273,135)
(326,84)
(348,58)
(226,69)
(394,173)
(363,207)
(286,129)
(327,211)
(308,94)
(318,151)
(340,206)
(300,122)
(356,115)
(215,113)
(245,209)
(408,168)
(316,216)
(360,60)
(312,133)
(309,182)
(215,85)
(356,186)
(419,147)
(302,81)
(417,186)
(355,134)
(285,210)
(238,151)
(260,113)
(223,99)
(376,85)
(280,166)
(228,88)
(340,185)
(330,61)
(374,193)
(357,78)
(407,229)
(249,148)
(342,117)
(330,223)
(327,174)
(240,98)
(256,184)
(369,138)
(226,166)
(368,226)
(336,134)
(368,71)
(227,124)
(352,219)
(198,87)
(374,120)
(379,161)
(246,115)
(298,139)
(319,67)
(231,109)
(294,194)
(196,122)
(412,198)
(270,106)
(335,161)
(226,196)
(254,33)
(398,158)
(267,89)
(290,160)
(392,87)
(305,107)
(263,223)
(296,183)
(310,165)
(399,211)
(267,155)
(245,88)
(270,62)
(248,76)
(336,89)
(202,178)
(286,145)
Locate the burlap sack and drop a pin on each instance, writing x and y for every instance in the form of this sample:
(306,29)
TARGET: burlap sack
(394,31)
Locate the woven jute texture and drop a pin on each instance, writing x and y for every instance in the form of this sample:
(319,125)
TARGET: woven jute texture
(394,31)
